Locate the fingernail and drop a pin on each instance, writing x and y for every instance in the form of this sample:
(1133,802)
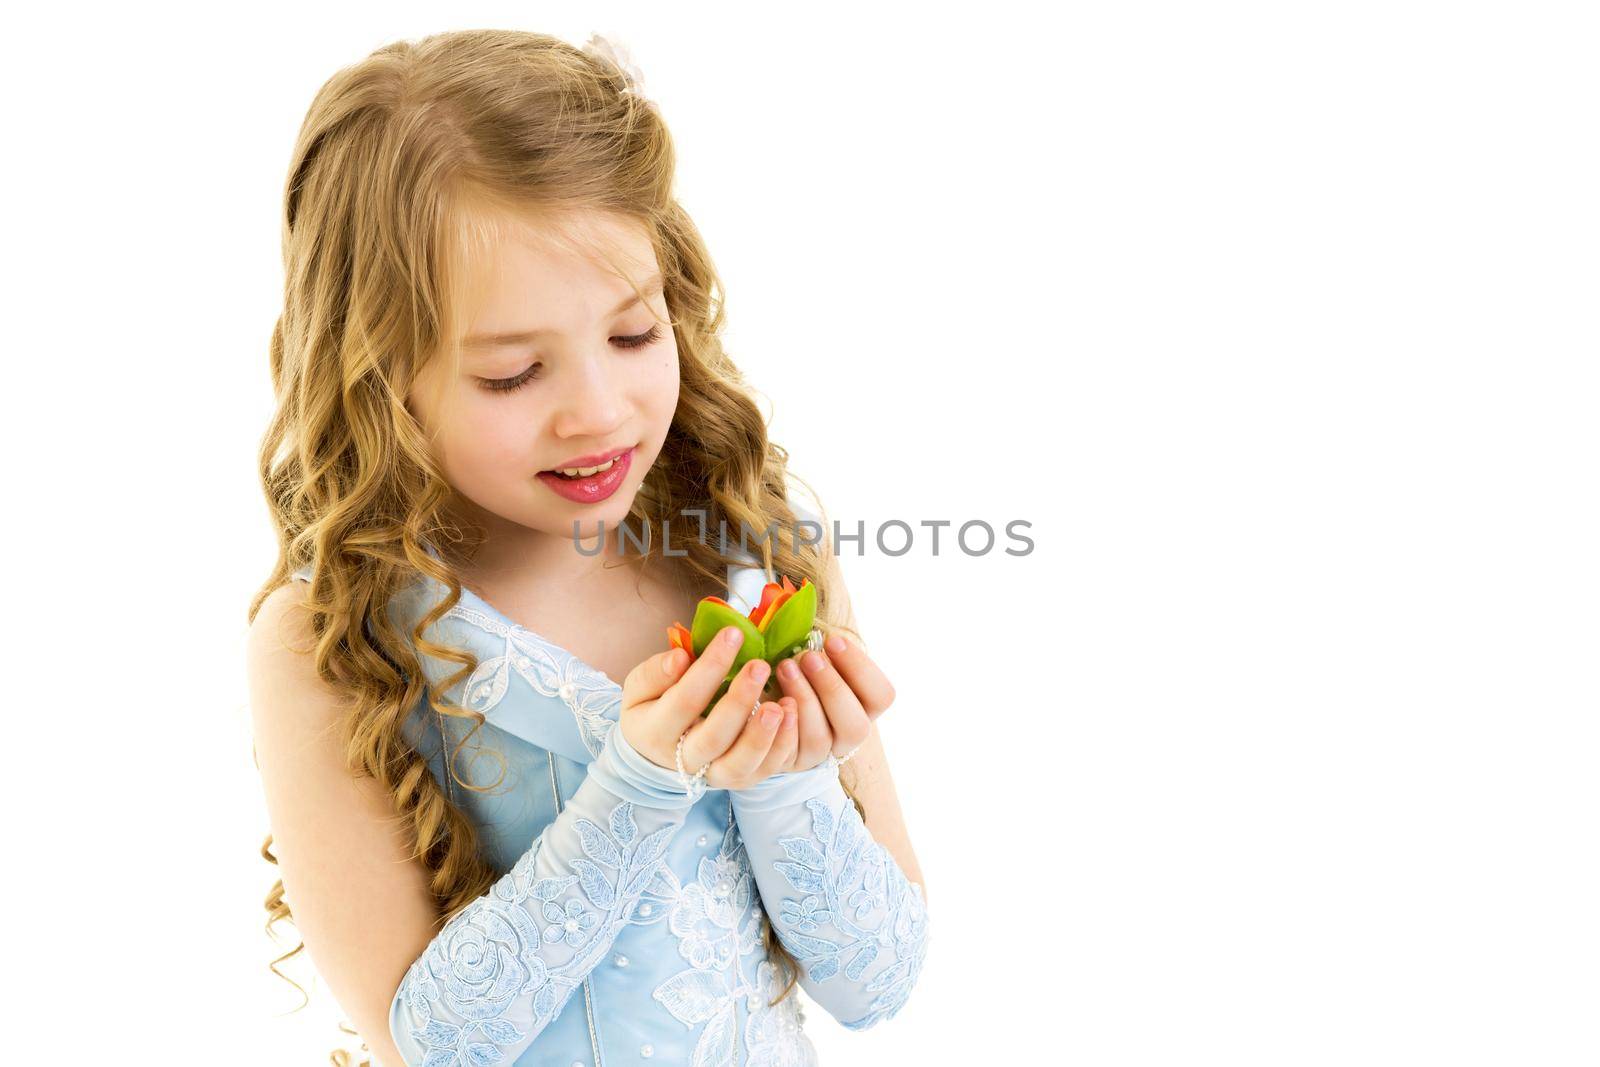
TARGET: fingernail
(788,670)
(674,658)
(812,661)
(834,644)
(771,715)
(759,669)
(731,636)
(789,716)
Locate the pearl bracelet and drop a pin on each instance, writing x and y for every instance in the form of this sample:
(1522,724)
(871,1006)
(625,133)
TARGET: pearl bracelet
(696,785)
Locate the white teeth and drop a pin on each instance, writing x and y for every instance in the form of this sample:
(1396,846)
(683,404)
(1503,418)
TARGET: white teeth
(584,472)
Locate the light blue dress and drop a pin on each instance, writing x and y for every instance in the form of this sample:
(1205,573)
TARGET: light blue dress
(627,924)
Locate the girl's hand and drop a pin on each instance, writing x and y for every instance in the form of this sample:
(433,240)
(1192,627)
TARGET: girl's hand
(838,697)
(658,705)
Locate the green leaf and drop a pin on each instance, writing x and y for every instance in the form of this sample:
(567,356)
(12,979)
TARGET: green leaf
(710,618)
(789,627)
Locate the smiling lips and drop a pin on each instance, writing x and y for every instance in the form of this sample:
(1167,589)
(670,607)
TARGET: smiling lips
(584,472)
(588,484)
(582,464)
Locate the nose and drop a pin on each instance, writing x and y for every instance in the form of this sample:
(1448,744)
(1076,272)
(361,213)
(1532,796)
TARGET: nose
(593,403)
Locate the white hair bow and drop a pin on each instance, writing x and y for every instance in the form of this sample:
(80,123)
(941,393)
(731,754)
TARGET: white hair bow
(615,53)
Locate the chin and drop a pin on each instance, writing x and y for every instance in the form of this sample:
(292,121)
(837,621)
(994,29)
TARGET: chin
(588,517)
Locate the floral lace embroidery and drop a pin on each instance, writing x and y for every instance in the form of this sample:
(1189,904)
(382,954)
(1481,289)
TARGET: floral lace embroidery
(594,700)
(720,925)
(854,885)
(773,1034)
(492,955)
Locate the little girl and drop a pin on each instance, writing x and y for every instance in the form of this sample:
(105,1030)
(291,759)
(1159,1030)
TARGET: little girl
(508,453)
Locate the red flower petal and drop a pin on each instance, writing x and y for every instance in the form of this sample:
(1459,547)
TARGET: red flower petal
(772,609)
(679,637)
(768,592)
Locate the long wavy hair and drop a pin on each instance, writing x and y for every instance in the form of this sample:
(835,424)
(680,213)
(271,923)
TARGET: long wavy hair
(396,161)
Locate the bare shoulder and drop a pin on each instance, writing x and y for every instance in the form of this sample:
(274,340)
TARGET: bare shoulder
(286,693)
(281,630)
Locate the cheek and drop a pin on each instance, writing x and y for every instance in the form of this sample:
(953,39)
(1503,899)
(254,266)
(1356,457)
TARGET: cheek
(495,440)
(664,382)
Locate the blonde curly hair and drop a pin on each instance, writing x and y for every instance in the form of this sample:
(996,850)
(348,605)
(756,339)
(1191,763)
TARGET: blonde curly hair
(394,164)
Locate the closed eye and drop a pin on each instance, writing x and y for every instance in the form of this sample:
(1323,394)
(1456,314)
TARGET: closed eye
(507,385)
(640,340)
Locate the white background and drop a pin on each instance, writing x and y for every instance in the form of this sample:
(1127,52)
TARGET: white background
(1276,321)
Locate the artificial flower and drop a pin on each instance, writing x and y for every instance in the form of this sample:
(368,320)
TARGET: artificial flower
(777,627)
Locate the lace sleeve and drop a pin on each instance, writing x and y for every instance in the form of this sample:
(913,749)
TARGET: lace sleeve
(836,898)
(501,968)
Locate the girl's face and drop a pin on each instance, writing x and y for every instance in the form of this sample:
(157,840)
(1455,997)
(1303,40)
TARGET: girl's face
(562,366)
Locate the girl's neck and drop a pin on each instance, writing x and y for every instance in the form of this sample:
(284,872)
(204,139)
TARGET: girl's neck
(516,559)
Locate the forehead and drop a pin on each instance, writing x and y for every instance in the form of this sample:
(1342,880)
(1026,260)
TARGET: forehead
(546,270)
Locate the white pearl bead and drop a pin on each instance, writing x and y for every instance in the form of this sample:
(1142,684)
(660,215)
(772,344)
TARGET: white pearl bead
(644,909)
(701,840)
(647,1051)
(621,960)
(567,689)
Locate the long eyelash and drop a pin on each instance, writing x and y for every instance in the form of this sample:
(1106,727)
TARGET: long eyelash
(642,339)
(509,385)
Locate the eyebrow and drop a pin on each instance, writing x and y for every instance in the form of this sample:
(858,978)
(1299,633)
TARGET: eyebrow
(515,337)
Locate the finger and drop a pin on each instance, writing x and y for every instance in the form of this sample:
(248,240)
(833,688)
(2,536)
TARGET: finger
(780,757)
(868,683)
(816,734)
(654,676)
(845,713)
(689,697)
(711,736)
(736,768)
